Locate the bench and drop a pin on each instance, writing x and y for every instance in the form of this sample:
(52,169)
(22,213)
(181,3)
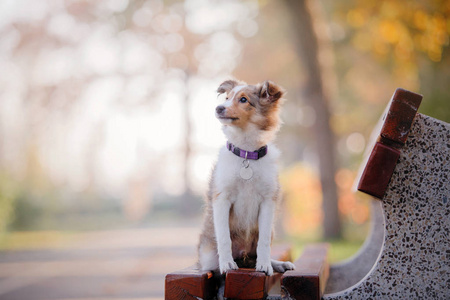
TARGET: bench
(407,252)
(407,169)
(312,267)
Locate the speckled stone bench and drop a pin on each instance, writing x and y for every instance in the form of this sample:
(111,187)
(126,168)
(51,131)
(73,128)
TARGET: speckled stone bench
(407,254)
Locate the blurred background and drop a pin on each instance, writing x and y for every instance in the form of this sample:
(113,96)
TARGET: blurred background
(108,134)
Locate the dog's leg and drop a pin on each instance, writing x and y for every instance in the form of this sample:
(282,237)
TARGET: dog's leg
(265,219)
(282,266)
(208,258)
(221,209)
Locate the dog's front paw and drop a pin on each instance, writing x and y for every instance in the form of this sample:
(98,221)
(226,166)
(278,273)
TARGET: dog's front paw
(288,265)
(227,265)
(264,267)
(282,266)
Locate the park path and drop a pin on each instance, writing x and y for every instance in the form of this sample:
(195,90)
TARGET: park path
(121,264)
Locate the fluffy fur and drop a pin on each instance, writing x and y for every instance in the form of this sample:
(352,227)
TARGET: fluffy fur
(238,221)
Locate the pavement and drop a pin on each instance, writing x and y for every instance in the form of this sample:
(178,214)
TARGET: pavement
(120,264)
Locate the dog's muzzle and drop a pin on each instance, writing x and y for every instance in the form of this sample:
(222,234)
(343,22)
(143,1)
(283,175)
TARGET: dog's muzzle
(220,109)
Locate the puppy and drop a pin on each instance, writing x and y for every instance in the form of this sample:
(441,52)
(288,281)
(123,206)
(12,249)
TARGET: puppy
(244,188)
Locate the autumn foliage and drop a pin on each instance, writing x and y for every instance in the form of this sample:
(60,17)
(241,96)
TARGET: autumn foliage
(303,200)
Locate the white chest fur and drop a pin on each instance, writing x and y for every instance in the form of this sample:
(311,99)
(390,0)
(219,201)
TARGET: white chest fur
(246,195)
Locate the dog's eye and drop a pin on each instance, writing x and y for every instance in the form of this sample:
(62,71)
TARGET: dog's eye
(243,100)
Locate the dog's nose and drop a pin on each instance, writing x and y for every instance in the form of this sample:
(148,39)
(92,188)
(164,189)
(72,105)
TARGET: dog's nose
(220,109)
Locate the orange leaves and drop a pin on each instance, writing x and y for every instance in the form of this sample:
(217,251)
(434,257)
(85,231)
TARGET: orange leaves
(350,206)
(303,200)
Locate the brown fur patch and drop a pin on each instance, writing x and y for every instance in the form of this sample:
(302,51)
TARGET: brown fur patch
(227,86)
(262,108)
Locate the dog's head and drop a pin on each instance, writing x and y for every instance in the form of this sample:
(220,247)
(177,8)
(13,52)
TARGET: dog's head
(248,105)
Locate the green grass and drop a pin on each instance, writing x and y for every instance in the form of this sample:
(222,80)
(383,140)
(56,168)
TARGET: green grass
(339,249)
(28,240)
(343,249)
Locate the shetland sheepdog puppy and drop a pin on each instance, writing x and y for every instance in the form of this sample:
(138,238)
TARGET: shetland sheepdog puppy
(244,188)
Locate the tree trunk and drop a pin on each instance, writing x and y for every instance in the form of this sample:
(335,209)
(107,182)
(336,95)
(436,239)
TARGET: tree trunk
(315,52)
(188,197)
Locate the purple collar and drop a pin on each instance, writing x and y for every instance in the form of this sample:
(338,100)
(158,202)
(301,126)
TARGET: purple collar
(257,154)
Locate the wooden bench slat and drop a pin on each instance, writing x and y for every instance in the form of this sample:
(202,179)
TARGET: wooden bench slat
(378,171)
(246,284)
(249,284)
(309,279)
(400,115)
(190,283)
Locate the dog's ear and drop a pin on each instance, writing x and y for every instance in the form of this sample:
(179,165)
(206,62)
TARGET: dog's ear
(227,86)
(270,92)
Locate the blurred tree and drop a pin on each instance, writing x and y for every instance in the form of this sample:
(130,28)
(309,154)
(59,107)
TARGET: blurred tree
(313,46)
(84,84)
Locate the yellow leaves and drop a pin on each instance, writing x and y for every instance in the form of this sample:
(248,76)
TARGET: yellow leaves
(438,36)
(448,25)
(398,34)
(356,18)
(420,20)
(404,49)
(435,54)
(408,71)
(399,29)
(389,31)
(380,48)
(362,41)
(433,33)
(441,30)
(392,9)
(420,42)
(383,37)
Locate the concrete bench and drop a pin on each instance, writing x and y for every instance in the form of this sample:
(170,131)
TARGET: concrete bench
(407,254)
